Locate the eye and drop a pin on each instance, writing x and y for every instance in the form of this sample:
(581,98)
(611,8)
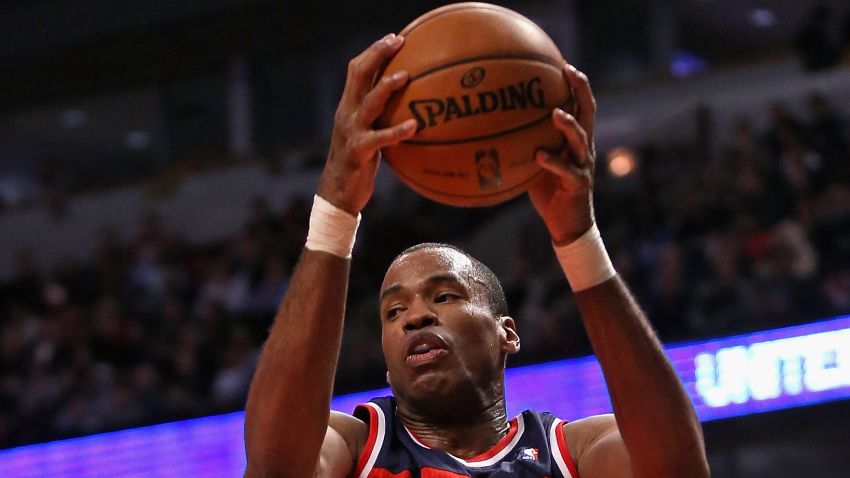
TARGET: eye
(392,312)
(445,297)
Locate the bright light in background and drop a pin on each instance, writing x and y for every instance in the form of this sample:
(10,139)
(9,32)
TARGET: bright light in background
(137,140)
(686,64)
(762,17)
(621,162)
(73,118)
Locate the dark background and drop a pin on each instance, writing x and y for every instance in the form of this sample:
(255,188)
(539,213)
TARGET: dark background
(98,95)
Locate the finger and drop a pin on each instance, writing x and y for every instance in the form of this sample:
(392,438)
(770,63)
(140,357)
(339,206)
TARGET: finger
(575,134)
(557,164)
(377,139)
(362,69)
(376,100)
(585,103)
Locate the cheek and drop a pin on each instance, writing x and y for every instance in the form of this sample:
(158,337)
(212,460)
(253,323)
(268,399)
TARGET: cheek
(480,332)
(390,344)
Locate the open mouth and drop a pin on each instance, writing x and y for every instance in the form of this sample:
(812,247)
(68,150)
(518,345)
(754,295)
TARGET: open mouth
(424,347)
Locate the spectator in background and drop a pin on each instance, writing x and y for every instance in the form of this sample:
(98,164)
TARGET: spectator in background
(230,385)
(845,38)
(782,122)
(826,135)
(815,45)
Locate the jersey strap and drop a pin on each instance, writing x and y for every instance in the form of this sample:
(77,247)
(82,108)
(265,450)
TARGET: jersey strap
(377,431)
(559,450)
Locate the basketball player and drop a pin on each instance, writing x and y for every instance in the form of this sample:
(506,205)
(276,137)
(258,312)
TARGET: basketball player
(446,335)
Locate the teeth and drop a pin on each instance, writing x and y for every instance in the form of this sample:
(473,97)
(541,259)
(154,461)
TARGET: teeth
(421,348)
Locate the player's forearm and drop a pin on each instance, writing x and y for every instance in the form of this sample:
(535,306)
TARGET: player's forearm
(655,417)
(286,415)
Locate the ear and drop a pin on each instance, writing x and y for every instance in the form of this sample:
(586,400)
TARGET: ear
(510,337)
(389,382)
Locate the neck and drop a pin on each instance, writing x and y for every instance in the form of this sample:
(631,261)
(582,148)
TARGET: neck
(464,435)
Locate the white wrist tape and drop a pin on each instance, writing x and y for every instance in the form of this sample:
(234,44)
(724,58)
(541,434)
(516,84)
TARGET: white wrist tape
(331,229)
(585,261)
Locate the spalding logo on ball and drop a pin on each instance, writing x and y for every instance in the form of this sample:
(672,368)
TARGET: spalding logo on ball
(483,83)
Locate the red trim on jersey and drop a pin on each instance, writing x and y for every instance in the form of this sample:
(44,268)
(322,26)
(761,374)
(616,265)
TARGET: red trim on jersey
(495,449)
(498,446)
(370,441)
(414,435)
(426,472)
(385,473)
(565,452)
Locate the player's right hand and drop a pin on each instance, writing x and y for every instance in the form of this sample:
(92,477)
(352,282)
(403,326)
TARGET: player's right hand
(348,179)
(562,195)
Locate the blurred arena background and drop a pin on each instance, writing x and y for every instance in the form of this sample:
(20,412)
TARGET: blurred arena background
(157,161)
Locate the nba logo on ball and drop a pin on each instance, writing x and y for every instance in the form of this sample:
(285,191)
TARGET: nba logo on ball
(487,166)
(482,103)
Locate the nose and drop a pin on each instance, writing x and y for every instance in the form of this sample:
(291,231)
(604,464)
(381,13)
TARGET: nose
(419,316)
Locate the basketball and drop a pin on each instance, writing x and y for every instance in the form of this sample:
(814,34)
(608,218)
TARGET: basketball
(483,82)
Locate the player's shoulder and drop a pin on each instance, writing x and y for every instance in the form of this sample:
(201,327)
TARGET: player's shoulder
(353,430)
(343,422)
(341,447)
(582,435)
(588,430)
(592,426)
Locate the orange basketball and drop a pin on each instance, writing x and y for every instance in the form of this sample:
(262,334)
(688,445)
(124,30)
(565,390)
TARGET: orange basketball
(483,83)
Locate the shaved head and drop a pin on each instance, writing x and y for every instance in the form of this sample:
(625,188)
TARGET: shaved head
(482,274)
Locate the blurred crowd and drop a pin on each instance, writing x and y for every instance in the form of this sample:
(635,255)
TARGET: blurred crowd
(713,237)
(824,39)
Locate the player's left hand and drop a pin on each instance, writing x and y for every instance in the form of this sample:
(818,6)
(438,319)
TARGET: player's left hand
(562,194)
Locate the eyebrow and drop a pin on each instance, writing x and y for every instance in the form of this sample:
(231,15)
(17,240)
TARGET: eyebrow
(442,277)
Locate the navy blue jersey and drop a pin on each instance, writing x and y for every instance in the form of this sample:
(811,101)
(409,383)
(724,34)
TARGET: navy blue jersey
(533,448)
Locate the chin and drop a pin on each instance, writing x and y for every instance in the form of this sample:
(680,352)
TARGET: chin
(432,390)
(428,385)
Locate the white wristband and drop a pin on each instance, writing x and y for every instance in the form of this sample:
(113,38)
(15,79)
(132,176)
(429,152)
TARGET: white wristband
(331,229)
(585,261)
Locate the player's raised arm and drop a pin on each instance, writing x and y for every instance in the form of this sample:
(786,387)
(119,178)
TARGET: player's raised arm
(656,433)
(287,413)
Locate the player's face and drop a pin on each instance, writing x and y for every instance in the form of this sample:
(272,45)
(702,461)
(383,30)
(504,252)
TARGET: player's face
(438,333)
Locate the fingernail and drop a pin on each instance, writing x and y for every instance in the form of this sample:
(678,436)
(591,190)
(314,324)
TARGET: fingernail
(398,76)
(409,125)
(540,156)
(561,114)
(393,39)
